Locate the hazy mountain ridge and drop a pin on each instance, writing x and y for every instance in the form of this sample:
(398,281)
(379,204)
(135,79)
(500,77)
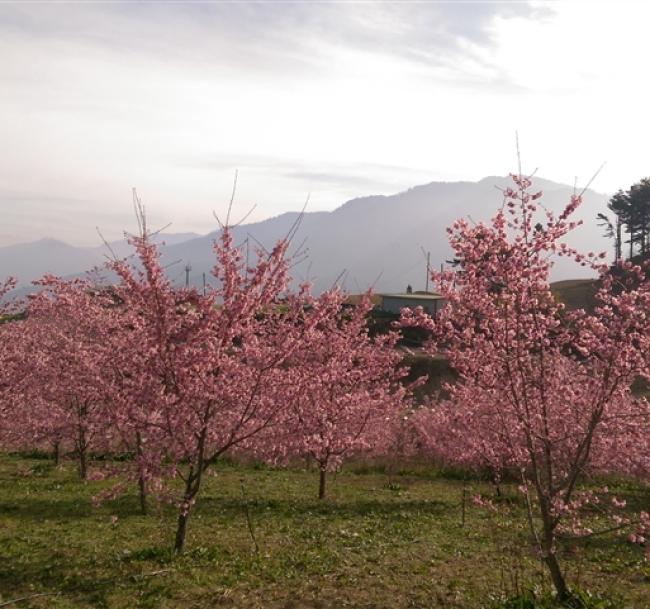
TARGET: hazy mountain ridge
(373,240)
(29,261)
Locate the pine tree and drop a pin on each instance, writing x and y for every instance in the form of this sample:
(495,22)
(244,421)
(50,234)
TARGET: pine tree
(631,209)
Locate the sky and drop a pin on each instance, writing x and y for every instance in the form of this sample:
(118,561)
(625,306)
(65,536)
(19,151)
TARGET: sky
(324,101)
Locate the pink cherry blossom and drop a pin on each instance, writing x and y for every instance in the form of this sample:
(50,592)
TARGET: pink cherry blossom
(542,391)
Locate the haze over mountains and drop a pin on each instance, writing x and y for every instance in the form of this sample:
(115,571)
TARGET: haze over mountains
(369,241)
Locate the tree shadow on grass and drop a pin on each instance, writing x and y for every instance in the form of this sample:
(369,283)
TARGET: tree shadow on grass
(229,507)
(94,590)
(127,507)
(46,575)
(39,509)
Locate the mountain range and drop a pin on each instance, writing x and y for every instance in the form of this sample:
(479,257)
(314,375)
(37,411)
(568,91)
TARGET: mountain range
(374,241)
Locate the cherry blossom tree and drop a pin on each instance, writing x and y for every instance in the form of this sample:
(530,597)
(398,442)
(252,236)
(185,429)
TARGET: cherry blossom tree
(131,407)
(209,375)
(9,371)
(348,387)
(542,391)
(6,286)
(53,369)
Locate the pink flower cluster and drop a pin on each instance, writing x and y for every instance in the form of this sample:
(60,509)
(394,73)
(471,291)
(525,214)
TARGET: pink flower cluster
(543,393)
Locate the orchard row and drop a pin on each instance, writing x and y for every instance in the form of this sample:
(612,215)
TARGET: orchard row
(180,378)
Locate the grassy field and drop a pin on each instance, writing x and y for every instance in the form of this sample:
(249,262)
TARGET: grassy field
(377,542)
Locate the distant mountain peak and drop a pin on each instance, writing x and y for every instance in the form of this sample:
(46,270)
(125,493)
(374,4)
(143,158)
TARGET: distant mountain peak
(374,241)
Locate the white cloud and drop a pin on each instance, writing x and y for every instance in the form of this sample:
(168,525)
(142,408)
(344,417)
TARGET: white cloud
(341,99)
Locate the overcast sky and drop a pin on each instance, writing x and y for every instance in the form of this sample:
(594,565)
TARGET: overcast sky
(331,99)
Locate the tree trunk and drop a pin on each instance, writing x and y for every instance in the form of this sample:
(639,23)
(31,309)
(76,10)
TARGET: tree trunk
(57,454)
(556,576)
(82,441)
(142,488)
(631,245)
(142,484)
(550,558)
(192,486)
(184,514)
(181,531)
(81,453)
(83,467)
(191,490)
(322,483)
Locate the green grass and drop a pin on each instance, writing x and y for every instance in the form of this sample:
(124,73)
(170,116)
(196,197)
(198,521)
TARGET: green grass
(378,542)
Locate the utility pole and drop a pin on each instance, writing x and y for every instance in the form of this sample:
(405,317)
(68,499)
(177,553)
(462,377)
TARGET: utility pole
(203,284)
(427,255)
(188,268)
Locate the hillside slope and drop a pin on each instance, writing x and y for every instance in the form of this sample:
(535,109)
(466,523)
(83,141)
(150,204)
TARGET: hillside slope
(370,241)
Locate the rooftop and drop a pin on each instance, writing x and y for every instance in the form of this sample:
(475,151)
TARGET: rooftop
(414,296)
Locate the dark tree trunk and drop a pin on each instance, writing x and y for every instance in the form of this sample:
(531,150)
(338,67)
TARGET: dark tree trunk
(181,531)
(142,483)
(83,466)
(322,483)
(82,440)
(142,491)
(82,454)
(192,486)
(556,576)
(191,490)
(550,558)
(57,454)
